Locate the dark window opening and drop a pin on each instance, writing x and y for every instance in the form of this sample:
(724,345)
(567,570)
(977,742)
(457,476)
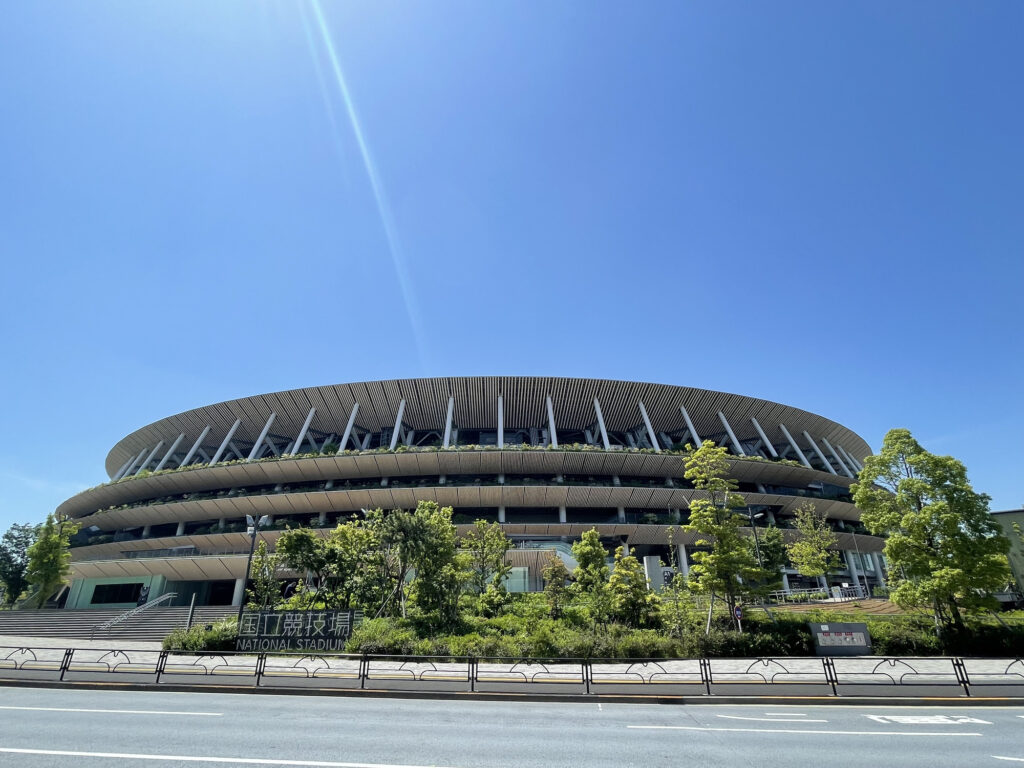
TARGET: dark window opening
(116,593)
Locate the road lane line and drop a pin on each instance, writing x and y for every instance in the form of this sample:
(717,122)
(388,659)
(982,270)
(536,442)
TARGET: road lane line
(203,759)
(1011,759)
(806,730)
(770,719)
(116,711)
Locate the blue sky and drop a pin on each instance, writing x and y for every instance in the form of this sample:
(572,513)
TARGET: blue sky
(815,203)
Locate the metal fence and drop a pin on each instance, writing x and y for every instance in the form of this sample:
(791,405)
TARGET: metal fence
(785,676)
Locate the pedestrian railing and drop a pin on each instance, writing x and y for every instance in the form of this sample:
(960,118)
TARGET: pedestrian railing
(776,676)
(107,625)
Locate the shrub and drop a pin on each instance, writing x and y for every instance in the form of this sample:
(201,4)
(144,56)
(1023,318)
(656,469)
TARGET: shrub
(985,640)
(203,637)
(646,643)
(383,636)
(903,638)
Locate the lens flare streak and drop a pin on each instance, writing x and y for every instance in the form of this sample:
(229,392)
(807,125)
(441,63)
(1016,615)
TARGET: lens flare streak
(383,208)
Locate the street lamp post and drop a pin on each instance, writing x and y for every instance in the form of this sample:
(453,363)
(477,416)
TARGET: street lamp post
(757,544)
(253,529)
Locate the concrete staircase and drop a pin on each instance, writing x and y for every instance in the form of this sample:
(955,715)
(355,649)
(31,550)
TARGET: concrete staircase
(152,625)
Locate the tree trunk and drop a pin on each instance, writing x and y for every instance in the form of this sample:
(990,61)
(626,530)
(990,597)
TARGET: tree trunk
(711,607)
(958,619)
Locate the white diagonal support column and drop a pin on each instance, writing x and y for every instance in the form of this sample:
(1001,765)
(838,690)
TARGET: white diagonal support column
(764,438)
(689,426)
(795,447)
(820,455)
(124,468)
(851,564)
(837,457)
(551,423)
(449,414)
(135,462)
(149,458)
(732,435)
(683,563)
(302,432)
(224,443)
(348,428)
(853,462)
(195,446)
(170,452)
(650,430)
(600,424)
(258,445)
(501,422)
(397,431)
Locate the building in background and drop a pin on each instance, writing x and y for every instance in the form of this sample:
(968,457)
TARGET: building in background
(548,458)
(1008,519)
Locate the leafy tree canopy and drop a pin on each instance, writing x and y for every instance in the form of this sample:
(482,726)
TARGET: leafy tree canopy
(486,545)
(814,552)
(944,549)
(727,565)
(633,603)
(49,557)
(14,547)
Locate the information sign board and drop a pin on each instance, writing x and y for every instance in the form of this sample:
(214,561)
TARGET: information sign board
(841,639)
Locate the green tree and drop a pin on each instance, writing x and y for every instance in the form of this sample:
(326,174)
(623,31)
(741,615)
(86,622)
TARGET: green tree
(14,560)
(342,564)
(728,565)
(486,545)
(944,549)
(678,607)
(815,550)
(49,557)
(556,592)
(771,545)
(359,574)
(590,577)
(404,540)
(441,571)
(300,549)
(264,582)
(633,603)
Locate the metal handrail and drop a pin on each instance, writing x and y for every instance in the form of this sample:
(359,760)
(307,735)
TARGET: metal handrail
(134,612)
(852,676)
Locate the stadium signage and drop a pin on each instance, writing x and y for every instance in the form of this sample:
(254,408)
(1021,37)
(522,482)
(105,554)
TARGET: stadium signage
(296,630)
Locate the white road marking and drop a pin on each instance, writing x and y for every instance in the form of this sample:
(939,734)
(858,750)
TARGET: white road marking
(599,706)
(806,730)
(1011,759)
(927,719)
(200,759)
(787,714)
(117,711)
(771,719)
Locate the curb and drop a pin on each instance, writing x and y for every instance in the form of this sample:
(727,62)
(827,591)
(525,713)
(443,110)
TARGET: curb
(891,701)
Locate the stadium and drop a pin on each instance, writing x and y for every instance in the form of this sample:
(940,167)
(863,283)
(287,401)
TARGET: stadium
(547,458)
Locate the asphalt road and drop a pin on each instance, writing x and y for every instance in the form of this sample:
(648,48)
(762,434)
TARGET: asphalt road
(54,728)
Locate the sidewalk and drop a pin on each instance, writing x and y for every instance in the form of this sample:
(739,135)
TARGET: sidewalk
(22,641)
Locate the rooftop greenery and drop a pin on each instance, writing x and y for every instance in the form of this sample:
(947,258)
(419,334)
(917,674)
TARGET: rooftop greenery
(569,448)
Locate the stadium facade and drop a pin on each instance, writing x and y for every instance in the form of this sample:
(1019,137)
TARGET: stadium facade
(548,458)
